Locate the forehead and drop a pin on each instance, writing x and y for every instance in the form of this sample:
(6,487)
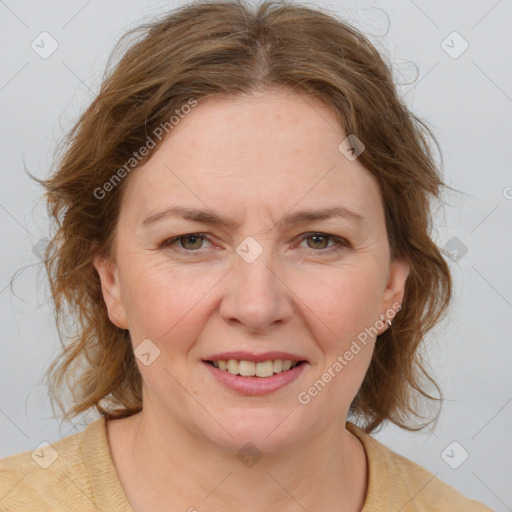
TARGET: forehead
(273,123)
(270,150)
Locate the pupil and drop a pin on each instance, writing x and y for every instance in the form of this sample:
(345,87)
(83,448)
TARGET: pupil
(192,237)
(316,237)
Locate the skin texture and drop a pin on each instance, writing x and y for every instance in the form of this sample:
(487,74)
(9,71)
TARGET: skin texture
(252,160)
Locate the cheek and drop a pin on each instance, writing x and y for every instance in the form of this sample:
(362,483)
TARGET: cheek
(344,301)
(343,308)
(161,303)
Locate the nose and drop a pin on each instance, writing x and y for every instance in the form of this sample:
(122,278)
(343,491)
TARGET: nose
(256,296)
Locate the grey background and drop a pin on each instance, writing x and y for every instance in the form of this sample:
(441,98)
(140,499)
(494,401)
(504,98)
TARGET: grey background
(468,102)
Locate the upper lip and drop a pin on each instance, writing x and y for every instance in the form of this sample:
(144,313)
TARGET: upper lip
(257,358)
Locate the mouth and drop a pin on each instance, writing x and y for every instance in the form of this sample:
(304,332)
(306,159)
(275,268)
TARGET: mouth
(261,369)
(255,378)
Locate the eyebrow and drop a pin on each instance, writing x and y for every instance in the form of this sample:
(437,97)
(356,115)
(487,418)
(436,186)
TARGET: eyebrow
(291,219)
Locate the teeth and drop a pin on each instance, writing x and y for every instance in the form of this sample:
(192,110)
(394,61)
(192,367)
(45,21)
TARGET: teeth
(233,366)
(247,368)
(265,369)
(252,369)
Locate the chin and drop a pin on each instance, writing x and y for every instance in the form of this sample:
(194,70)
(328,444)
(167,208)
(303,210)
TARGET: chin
(270,430)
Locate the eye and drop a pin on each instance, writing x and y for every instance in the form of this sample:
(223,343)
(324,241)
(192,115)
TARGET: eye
(319,242)
(190,242)
(193,242)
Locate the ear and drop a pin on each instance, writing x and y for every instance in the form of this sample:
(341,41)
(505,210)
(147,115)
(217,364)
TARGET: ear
(110,287)
(394,292)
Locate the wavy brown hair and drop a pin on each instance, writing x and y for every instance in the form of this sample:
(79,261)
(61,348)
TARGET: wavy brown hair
(227,48)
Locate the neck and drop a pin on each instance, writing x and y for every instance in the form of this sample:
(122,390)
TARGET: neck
(160,463)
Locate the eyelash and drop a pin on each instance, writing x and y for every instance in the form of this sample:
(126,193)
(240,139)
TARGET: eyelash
(340,242)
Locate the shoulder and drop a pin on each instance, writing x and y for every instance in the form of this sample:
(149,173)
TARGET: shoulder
(53,476)
(398,483)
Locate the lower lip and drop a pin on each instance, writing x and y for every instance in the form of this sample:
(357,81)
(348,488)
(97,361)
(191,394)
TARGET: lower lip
(256,385)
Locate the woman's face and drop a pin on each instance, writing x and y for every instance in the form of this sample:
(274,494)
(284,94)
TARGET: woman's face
(252,282)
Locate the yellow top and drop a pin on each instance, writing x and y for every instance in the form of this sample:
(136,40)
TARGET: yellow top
(77,474)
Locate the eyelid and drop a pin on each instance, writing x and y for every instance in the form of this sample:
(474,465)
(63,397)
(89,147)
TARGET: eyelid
(168,242)
(340,242)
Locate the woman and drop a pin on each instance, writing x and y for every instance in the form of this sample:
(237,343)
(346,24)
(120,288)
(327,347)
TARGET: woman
(243,218)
